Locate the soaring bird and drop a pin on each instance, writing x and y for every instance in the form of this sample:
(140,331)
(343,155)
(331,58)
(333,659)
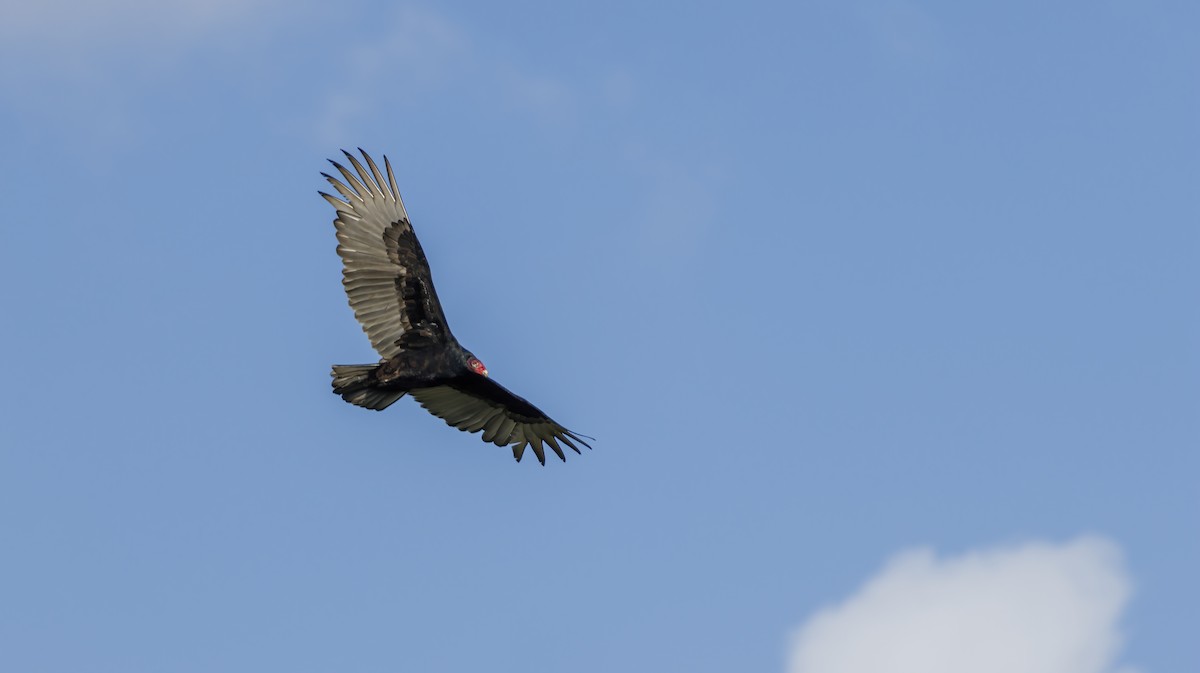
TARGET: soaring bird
(391,291)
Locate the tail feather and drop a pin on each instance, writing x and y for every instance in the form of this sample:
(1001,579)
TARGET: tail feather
(354,383)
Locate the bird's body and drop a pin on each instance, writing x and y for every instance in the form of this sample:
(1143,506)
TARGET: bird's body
(390,288)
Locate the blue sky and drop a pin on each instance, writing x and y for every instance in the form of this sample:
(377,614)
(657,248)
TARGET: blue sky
(859,299)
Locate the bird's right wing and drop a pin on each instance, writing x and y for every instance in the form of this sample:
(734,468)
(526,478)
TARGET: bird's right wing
(384,270)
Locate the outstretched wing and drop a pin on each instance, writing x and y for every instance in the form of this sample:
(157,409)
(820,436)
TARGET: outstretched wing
(473,403)
(384,269)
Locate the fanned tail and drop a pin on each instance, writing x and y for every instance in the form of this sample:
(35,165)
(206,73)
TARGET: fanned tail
(356,385)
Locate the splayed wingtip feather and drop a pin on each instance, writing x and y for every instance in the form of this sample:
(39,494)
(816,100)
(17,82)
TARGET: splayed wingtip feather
(360,190)
(363,175)
(383,186)
(391,179)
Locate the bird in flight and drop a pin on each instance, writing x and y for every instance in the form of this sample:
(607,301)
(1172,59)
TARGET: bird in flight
(391,291)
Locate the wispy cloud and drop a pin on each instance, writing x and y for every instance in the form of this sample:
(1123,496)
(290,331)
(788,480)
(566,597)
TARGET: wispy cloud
(1034,608)
(421,52)
(420,46)
(676,209)
(423,58)
(90,65)
(79,26)
(543,96)
(907,34)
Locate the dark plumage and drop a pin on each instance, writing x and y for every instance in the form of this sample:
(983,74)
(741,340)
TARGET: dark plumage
(391,291)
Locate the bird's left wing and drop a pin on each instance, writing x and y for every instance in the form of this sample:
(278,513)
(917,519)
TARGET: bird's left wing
(476,403)
(384,270)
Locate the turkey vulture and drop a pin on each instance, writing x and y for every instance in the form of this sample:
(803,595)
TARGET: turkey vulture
(391,291)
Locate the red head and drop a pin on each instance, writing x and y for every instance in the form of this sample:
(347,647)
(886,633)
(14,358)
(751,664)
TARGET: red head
(477,366)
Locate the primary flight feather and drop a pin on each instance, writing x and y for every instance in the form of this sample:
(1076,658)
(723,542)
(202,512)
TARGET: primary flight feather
(390,288)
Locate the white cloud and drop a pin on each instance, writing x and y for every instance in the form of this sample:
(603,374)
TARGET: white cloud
(1035,608)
